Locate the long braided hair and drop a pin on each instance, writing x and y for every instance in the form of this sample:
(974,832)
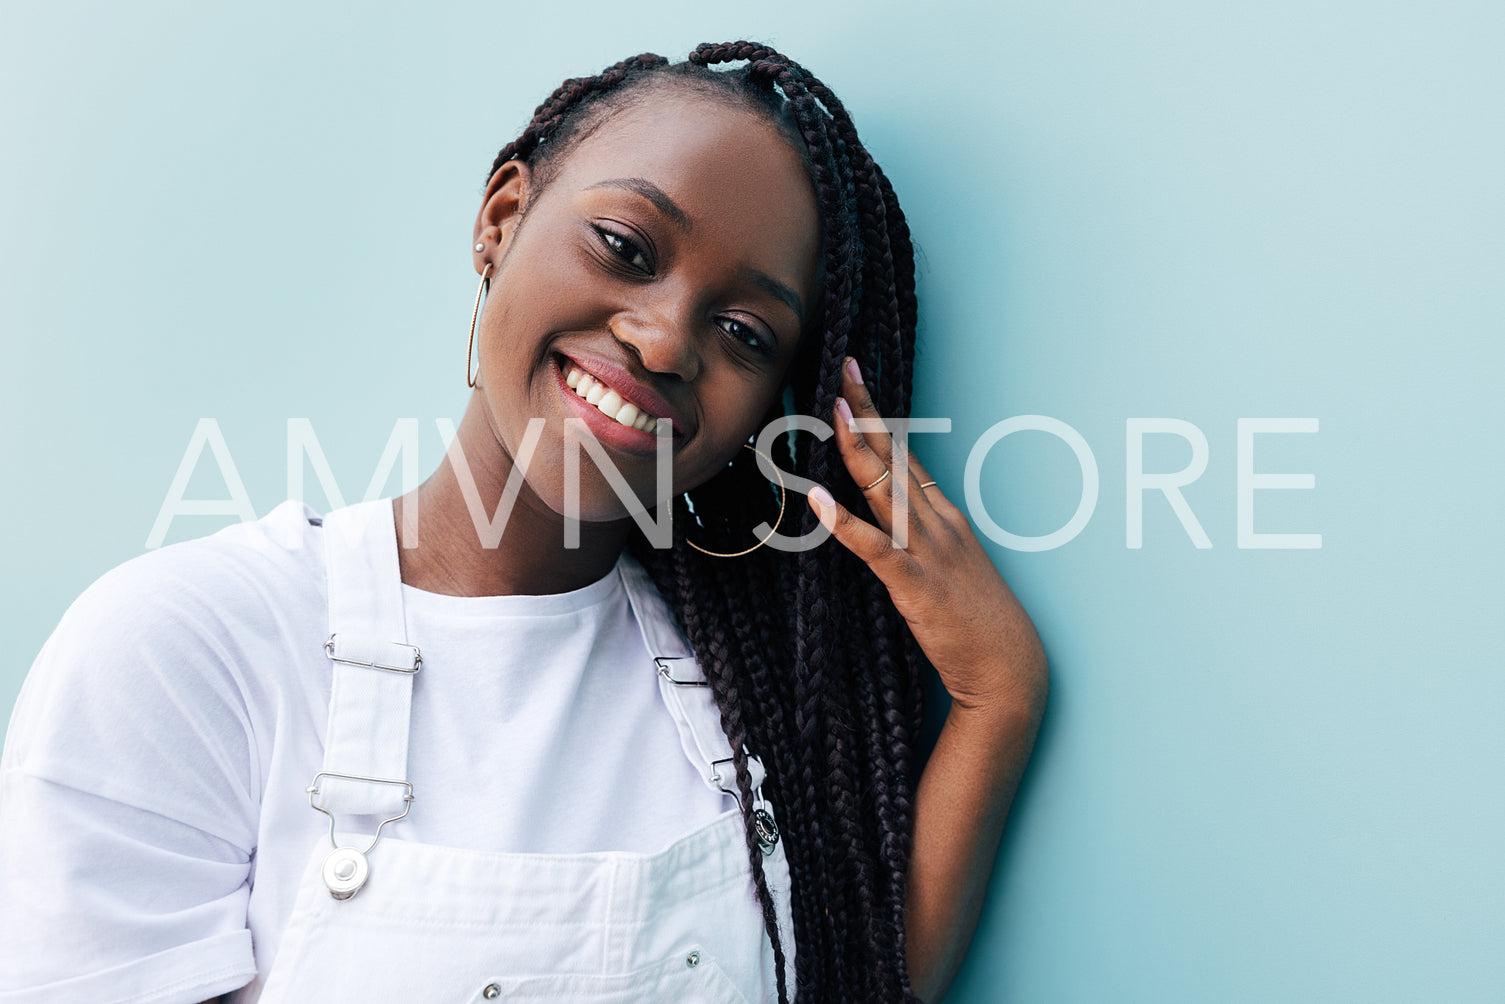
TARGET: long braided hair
(812,668)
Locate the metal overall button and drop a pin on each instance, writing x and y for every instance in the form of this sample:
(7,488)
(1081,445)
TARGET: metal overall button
(346,868)
(345,871)
(492,992)
(766,830)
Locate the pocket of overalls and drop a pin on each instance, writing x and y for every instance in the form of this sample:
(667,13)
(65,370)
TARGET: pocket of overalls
(690,978)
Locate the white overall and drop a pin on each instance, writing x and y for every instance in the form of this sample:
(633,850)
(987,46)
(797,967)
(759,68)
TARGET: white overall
(444,924)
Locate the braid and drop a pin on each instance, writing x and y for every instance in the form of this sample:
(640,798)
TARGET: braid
(565,102)
(811,667)
(718,665)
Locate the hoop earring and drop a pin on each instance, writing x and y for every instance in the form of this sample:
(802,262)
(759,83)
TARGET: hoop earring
(485,287)
(738,554)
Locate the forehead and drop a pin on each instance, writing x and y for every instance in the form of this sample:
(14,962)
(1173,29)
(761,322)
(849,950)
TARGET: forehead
(716,160)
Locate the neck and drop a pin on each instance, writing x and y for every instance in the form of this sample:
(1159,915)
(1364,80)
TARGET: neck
(442,544)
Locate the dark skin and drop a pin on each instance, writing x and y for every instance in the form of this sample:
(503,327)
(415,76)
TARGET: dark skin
(603,275)
(667,297)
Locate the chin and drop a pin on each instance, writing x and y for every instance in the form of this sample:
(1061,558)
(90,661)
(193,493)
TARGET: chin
(598,502)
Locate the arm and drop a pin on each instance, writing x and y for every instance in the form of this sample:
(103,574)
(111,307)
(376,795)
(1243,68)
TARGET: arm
(989,657)
(960,808)
(127,811)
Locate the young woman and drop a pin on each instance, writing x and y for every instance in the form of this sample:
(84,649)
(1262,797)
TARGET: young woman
(449,748)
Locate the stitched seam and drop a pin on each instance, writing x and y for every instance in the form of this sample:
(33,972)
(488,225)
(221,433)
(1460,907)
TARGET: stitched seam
(156,993)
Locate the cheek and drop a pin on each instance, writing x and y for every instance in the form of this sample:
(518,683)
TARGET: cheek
(748,405)
(550,283)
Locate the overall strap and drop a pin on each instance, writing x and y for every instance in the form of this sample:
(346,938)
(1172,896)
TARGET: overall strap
(364,780)
(683,686)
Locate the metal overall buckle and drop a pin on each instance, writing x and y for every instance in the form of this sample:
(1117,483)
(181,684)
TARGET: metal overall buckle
(417,664)
(662,662)
(346,868)
(764,828)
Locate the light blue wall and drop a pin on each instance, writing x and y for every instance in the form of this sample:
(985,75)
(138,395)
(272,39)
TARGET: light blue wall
(1266,775)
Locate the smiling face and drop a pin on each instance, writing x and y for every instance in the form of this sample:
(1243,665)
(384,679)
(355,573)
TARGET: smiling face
(668,267)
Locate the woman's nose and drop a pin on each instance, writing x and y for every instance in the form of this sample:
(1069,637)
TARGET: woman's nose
(663,344)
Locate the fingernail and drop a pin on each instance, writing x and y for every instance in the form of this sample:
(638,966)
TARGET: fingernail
(821,497)
(844,411)
(853,371)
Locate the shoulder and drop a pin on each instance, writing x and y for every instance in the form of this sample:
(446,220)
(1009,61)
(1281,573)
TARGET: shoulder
(240,564)
(176,640)
(132,773)
(204,597)
(232,581)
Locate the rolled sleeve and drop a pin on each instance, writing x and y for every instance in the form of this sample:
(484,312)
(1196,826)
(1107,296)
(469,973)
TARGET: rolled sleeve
(128,805)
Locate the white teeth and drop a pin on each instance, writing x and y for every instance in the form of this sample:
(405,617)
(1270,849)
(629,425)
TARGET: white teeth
(610,402)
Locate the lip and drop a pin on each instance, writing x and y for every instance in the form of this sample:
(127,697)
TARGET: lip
(607,430)
(628,388)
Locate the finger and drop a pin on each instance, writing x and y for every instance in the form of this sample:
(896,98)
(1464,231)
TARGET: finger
(862,406)
(863,462)
(917,470)
(901,495)
(891,564)
(888,489)
(919,498)
(934,499)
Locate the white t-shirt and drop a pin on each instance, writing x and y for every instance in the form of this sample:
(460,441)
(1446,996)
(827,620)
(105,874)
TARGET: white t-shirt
(152,803)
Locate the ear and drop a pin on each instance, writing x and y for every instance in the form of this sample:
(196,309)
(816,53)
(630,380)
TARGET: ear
(501,211)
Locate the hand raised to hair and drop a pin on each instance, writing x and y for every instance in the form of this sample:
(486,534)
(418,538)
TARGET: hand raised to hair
(963,615)
(989,657)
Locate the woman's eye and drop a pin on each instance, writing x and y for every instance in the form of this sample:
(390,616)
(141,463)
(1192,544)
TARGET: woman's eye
(748,335)
(624,249)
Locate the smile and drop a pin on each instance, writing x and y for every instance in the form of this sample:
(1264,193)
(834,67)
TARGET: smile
(609,402)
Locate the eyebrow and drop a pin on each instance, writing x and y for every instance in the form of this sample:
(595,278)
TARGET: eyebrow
(770,285)
(667,206)
(651,192)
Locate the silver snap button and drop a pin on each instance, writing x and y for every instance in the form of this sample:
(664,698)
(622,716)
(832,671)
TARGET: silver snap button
(345,872)
(692,960)
(492,992)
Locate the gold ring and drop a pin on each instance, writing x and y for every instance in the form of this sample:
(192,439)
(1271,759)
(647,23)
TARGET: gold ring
(875,484)
(927,484)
